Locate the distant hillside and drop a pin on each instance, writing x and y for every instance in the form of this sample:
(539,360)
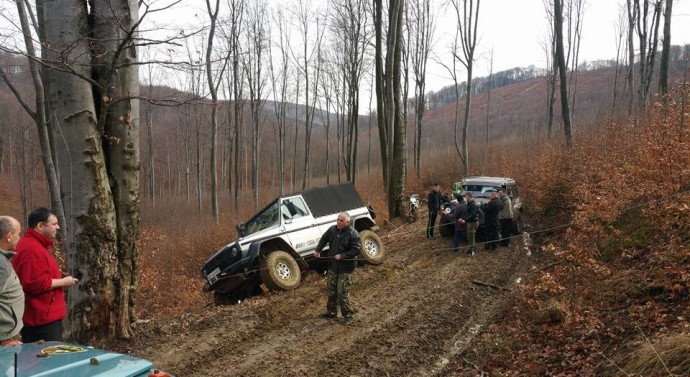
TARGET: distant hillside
(517,75)
(520,108)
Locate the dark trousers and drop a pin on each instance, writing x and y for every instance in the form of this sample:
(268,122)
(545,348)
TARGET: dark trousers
(457,239)
(432,223)
(506,225)
(338,287)
(49,331)
(491,235)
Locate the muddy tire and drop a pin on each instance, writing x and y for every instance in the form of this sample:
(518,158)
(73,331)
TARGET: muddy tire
(280,271)
(446,229)
(372,248)
(221,298)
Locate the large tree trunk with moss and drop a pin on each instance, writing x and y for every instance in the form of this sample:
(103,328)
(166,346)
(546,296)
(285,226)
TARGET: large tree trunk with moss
(92,84)
(397,136)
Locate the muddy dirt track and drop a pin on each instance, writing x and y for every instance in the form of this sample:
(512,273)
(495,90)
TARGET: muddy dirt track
(416,314)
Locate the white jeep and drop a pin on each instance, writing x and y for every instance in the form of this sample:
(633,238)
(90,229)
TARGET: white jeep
(277,244)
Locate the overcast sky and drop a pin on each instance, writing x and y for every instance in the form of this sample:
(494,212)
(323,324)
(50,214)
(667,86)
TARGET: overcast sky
(516,29)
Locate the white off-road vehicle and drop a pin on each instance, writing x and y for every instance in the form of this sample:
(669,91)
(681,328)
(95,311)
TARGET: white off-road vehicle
(277,244)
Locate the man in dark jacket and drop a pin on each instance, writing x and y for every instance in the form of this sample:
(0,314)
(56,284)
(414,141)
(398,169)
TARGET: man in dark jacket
(460,226)
(491,211)
(41,279)
(343,248)
(471,219)
(434,201)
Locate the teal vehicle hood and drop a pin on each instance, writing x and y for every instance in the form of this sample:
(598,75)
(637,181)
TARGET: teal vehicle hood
(68,360)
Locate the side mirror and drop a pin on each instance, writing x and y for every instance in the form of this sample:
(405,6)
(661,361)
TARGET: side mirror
(240,229)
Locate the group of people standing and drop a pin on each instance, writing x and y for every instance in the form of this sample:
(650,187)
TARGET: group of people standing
(498,214)
(32,288)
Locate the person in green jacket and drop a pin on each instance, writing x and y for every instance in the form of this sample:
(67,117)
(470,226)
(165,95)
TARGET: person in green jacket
(11,293)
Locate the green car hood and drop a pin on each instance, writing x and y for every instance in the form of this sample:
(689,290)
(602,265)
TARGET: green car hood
(87,361)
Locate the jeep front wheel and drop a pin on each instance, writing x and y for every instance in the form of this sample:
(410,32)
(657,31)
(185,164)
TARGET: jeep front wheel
(221,298)
(280,271)
(372,247)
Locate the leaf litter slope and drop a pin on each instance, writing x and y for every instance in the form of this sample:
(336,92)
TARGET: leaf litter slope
(414,313)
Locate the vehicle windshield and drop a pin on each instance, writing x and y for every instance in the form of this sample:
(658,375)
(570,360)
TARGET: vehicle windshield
(479,191)
(262,220)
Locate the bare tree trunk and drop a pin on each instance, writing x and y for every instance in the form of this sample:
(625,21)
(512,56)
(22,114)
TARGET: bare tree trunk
(619,50)
(666,49)
(552,72)
(39,116)
(575,16)
(560,53)
(648,38)
(633,15)
(399,149)
(236,22)
(213,88)
(199,188)
(229,159)
(149,128)
(350,28)
(452,71)
(253,67)
(421,26)
(467,27)
(280,87)
(488,94)
(382,116)
(388,93)
(294,150)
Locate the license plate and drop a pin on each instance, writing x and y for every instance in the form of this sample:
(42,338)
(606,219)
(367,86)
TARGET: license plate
(212,276)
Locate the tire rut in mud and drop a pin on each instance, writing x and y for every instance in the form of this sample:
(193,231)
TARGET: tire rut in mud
(414,312)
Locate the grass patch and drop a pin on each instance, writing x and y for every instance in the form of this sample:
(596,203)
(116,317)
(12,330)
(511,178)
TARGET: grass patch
(667,356)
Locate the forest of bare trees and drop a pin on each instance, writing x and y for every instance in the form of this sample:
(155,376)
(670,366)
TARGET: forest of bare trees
(256,99)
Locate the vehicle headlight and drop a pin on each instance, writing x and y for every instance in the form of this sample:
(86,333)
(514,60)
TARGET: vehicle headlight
(235,251)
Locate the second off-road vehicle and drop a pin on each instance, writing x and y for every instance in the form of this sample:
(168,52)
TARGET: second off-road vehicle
(481,187)
(277,243)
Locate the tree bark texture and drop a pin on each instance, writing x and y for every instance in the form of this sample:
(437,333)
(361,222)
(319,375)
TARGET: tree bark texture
(560,55)
(665,49)
(91,87)
(213,89)
(396,188)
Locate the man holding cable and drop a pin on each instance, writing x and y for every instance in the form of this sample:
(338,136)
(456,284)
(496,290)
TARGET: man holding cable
(343,248)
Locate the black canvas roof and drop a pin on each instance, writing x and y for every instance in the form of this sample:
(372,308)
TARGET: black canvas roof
(332,199)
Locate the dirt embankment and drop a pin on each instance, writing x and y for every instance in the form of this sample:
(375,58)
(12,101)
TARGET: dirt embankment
(416,314)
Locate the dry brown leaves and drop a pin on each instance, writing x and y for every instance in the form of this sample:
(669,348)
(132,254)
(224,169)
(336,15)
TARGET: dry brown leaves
(624,194)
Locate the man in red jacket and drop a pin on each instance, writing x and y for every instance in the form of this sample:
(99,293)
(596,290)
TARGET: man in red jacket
(41,279)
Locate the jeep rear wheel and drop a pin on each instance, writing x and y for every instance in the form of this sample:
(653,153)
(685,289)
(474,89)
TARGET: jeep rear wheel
(372,247)
(280,271)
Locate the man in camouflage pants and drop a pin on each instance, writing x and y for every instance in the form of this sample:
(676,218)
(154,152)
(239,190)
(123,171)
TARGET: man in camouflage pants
(343,248)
